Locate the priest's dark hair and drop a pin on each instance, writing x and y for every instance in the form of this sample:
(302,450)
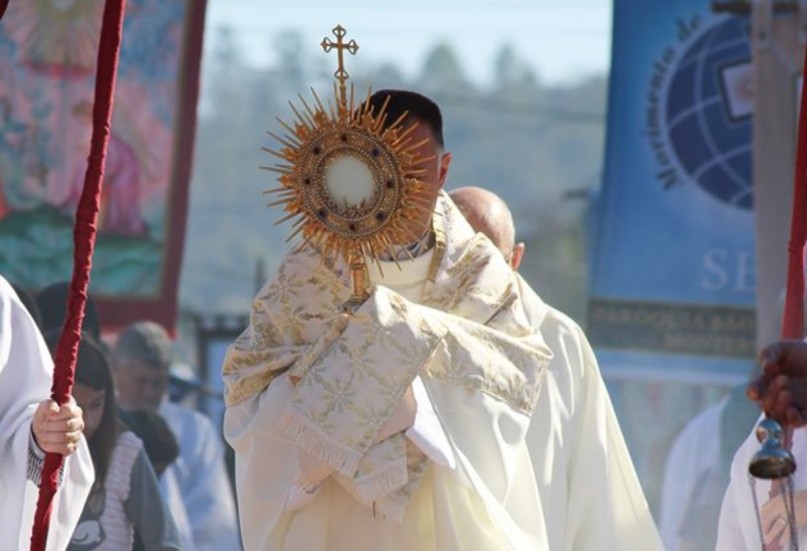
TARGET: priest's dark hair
(92,370)
(419,107)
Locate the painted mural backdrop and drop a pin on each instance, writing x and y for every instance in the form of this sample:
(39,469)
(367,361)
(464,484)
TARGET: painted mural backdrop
(48,52)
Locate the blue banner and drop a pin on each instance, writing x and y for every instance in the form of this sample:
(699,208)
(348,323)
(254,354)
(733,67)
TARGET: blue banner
(674,269)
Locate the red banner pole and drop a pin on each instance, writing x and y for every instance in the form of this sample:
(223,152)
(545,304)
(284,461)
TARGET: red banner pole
(793,318)
(84,243)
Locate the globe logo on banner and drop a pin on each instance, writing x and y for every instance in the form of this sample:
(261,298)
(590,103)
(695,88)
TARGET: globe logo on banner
(709,103)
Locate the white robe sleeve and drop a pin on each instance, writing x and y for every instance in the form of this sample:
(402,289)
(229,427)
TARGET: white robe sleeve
(26,372)
(265,462)
(487,438)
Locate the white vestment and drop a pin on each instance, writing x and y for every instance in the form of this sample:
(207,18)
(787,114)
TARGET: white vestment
(738,529)
(591,495)
(481,379)
(26,374)
(201,476)
(695,451)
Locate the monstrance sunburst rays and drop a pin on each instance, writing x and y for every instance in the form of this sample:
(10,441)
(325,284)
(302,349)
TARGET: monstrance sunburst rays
(349,181)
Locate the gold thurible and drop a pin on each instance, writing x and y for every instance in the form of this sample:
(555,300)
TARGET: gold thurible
(773,460)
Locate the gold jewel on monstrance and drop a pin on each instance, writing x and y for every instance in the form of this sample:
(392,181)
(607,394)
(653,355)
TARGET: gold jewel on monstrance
(352,185)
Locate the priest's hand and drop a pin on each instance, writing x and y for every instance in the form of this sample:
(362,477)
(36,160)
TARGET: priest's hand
(781,390)
(57,429)
(774,518)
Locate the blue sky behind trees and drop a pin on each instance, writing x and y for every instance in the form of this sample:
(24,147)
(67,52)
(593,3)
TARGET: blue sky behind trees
(562,40)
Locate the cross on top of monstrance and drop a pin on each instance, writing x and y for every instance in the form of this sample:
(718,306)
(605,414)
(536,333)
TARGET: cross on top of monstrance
(352,47)
(350,180)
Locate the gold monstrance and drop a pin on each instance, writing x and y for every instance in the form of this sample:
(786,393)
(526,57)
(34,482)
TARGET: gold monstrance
(352,185)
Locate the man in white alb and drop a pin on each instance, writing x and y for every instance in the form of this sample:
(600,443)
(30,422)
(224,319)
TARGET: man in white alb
(30,425)
(590,493)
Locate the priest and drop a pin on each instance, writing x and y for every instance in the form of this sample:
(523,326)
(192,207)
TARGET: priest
(30,425)
(591,495)
(404,425)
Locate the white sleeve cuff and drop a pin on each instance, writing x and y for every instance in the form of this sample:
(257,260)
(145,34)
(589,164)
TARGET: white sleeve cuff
(36,460)
(33,447)
(426,432)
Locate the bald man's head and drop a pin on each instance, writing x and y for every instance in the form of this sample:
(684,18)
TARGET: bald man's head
(487,213)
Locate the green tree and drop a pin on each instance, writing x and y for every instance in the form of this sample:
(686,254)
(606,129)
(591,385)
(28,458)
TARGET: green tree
(442,72)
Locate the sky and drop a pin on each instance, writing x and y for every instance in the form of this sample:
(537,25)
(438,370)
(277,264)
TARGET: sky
(563,40)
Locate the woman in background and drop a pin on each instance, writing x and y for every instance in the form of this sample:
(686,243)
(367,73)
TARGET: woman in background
(126,495)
